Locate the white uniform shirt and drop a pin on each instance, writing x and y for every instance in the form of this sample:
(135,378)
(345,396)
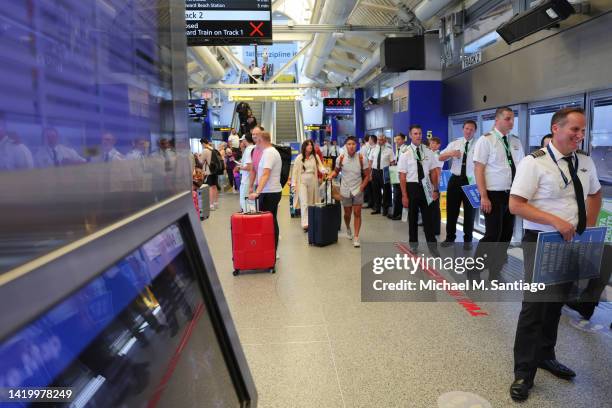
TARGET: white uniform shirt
(455,165)
(539,180)
(490,151)
(112,155)
(386,157)
(407,163)
(136,154)
(399,150)
(365,150)
(330,151)
(437,163)
(44,156)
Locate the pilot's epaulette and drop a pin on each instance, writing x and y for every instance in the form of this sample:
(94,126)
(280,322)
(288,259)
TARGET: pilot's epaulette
(488,134)
(538,153)
(582,152)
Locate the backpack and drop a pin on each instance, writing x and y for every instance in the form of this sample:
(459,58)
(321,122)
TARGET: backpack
(285,154)
(341,158)
(216,165)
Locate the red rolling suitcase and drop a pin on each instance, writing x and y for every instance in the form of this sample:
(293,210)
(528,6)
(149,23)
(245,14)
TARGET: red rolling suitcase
(253,241)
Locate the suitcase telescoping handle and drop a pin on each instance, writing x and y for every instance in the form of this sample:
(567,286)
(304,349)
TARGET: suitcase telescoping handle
(327,198)
(250,206)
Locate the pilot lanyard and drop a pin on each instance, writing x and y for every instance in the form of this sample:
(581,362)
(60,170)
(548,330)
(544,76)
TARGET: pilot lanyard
(506,148)
(563,176)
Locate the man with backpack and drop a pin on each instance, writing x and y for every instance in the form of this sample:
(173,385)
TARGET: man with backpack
(213,167)
(355,177)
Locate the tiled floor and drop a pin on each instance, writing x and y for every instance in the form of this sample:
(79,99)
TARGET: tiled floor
(311,342)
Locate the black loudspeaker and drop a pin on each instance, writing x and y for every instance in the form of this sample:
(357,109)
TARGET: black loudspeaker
(535,19)
(400,54)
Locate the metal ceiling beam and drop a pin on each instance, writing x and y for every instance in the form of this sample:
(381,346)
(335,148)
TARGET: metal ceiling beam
(382,7)
(353,49)
(333,67)
(331,28)
(227,53)
(288,37)
(344,60)
(272,86)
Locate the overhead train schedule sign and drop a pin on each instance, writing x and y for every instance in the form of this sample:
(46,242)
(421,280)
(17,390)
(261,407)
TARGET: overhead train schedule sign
(338,106)
(228,22)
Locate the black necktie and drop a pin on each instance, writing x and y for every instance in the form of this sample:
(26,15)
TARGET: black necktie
(56,162)
(379,157)
(509,156)
(464,161)
(419,165)
(579,196)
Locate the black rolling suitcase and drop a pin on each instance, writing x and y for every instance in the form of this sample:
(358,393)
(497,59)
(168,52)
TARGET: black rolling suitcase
(323,223)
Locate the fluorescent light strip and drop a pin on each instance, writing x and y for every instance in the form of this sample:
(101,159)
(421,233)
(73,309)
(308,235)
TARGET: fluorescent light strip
(88,392)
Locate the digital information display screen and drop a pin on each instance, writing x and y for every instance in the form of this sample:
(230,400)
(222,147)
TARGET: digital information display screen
(137,335)
(338,106)
(198,108)
(228,22)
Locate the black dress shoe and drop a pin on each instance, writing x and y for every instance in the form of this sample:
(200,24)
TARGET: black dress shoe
(519,390)
(586,309)
(446,244)
(384,213)
(375,212)
(557,369)
(397,218)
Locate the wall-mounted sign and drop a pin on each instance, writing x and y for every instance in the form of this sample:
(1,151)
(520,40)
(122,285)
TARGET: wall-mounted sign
(338,106)
(228,22)
(314,127)
(222,129)
(471,59)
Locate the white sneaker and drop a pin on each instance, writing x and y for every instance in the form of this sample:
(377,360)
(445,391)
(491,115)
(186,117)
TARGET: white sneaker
(349,233)
(212,207)
(277,257)
(356,243)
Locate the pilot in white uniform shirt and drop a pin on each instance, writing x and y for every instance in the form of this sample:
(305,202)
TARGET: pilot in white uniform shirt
(455,166)
(539,180)
(407,162)
(491,151)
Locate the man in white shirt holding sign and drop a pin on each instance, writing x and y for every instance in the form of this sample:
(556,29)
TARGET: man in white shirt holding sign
(461,154)
(419,185)
(556,189)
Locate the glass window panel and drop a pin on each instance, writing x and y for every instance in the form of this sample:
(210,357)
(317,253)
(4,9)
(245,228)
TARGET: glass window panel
(488,122)
(601,142)
(539,122)
(92,128)
(457,126)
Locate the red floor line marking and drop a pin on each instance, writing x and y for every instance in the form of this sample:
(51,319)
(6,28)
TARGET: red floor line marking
(159,390)
(468,304)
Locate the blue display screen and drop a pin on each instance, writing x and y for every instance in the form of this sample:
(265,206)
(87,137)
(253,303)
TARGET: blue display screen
(126,337)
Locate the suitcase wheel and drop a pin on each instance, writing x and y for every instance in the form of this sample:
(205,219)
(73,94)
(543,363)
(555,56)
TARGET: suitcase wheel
(236,272)
(273,270)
